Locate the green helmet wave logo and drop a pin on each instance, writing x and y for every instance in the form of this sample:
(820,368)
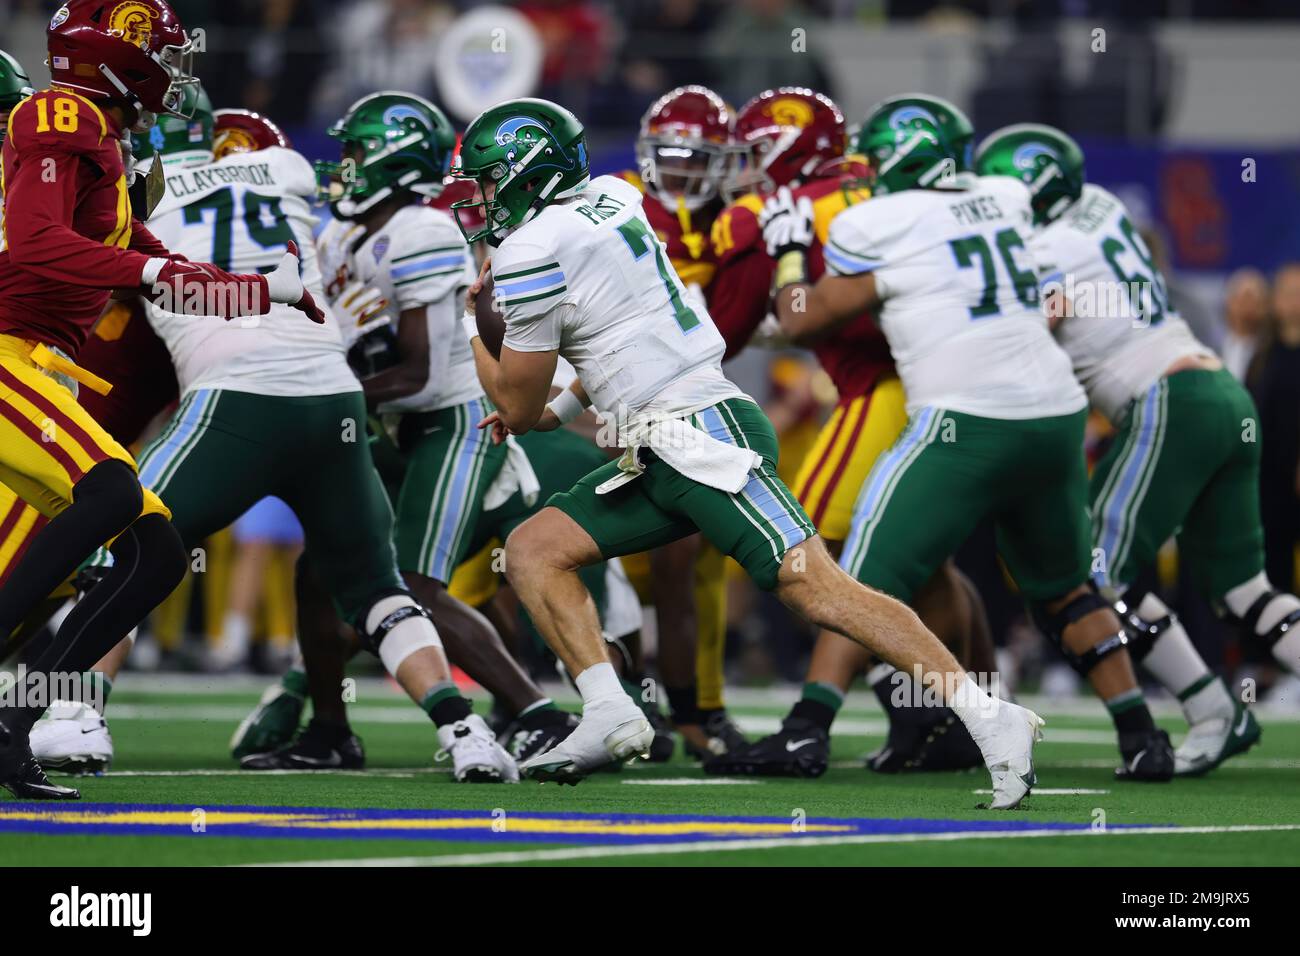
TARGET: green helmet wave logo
(525,154)
(1026,157)
(1045,159)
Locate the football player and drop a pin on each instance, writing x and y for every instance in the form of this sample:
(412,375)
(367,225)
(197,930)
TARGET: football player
(995,417)
(683,153)
(395,268)
(796,138)
(15,86)
(244,131)
(1185,460)
(581,275)
(69,241)
(272,408)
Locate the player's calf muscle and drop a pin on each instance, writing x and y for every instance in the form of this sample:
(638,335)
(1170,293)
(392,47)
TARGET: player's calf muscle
(821,591)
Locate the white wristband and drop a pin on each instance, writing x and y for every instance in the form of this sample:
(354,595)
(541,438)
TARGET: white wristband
(149,274)
(566,406)
(469,322)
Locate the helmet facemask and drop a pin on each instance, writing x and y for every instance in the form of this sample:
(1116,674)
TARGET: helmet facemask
(682,169)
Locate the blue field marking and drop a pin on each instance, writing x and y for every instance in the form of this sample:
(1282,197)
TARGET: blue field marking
(477,826)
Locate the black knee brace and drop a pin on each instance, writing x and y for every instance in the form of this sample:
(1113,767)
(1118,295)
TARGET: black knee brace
(1251,619)
(371,640)
(1142,634)
(1053,626)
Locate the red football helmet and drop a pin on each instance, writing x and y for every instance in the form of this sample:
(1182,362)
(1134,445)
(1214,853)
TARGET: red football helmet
(783,137)
(243,131)
(683,146)
(130,51)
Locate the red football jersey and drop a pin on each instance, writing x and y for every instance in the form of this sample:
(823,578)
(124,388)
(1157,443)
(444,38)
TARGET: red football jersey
(125,350)
(856,356)
(69,237)
(684,234)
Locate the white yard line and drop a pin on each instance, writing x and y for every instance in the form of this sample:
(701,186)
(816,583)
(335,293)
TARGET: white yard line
(695,782)
(733,846)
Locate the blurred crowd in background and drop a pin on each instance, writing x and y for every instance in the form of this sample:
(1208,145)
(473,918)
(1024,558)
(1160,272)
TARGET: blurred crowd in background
(302,62)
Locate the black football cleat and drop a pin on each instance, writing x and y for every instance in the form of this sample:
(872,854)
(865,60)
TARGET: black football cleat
(925,740)
(661,747)
(524,739)
(719,734)
(799,749)
(1148,757)
(318,747)
(22,776)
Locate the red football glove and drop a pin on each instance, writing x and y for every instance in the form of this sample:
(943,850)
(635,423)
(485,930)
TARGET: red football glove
(200,288)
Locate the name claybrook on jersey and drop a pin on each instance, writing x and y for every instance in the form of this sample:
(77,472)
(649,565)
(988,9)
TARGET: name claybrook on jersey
(201,180)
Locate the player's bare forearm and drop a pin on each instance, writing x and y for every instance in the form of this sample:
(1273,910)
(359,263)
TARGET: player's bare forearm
(808,313)
(411,373)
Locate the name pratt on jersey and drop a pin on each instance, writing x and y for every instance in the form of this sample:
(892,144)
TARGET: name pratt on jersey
(194,182)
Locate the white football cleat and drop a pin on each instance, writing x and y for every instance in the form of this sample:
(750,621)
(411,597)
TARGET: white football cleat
(72,738)
(1007,742)
(476,757)
(1212,741)
(608,732)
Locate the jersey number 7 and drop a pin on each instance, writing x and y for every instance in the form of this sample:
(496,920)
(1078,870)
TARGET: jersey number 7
(639,240)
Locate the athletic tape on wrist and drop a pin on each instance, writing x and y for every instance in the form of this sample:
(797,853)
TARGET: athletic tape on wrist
(791,267)
(566,406)
(469,322)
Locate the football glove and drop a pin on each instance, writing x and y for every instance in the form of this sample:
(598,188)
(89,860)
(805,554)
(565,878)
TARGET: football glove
(360,310)
(787,223)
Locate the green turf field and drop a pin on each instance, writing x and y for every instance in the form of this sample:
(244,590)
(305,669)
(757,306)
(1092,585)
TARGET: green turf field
(171,735)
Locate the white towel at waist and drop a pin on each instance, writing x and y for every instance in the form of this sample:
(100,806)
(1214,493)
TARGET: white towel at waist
(688,451)
(515,475)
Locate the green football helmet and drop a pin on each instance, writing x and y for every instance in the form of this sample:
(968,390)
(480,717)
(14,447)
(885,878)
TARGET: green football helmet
(524,154)
(14,86)
(179,141)
(391,142)
(915,141)
(1045,159)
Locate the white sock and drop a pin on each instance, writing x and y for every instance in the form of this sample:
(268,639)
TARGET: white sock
(236,630)
(599,684)
(1239,601)
(973,706)
(1172,659)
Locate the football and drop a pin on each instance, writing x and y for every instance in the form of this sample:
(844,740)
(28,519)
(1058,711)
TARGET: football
(491,323)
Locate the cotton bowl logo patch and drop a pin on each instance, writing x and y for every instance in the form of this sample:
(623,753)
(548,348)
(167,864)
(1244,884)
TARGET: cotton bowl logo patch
(1026,156)
(133,22)
(786,111)
(60,17)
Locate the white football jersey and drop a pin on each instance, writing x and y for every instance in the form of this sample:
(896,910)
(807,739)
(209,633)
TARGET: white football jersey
(1121,332)
(240,213)
(960,298)
(418,259)
(590,278)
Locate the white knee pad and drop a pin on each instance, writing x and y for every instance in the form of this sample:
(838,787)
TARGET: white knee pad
(622,606)
(397,627)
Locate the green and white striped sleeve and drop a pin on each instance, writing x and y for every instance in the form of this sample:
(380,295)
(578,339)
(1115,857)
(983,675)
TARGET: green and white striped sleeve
(429,262)
(529,283)
(848,251)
